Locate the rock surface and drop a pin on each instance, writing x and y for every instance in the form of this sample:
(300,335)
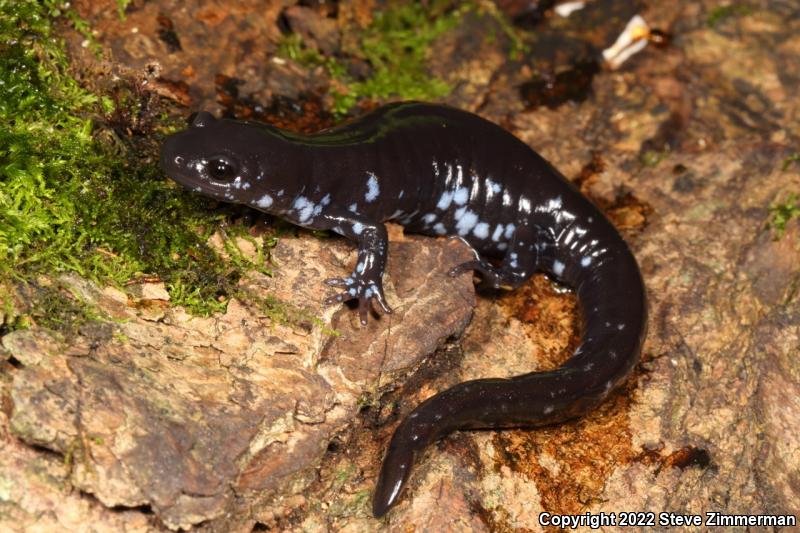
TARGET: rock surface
(161,420)
(193,417)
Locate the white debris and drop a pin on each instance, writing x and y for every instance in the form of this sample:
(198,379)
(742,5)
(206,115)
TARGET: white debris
(568,8)
(632,40)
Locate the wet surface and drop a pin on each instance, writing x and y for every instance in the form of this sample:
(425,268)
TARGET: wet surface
(554,89)
(683,147)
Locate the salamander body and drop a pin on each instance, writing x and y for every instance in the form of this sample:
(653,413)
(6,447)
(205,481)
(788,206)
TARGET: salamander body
(439,171)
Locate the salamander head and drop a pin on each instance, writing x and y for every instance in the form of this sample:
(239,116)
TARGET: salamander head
(223,159)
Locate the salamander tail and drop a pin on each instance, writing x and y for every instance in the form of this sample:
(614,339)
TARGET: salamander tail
(613,301)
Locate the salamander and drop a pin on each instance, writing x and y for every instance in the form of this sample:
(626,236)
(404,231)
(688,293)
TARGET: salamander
(438,171)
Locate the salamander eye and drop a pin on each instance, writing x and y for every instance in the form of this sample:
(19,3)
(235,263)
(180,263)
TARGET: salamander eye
(221,169)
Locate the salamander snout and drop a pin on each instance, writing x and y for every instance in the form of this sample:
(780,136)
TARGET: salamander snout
(173,163)
(191,160)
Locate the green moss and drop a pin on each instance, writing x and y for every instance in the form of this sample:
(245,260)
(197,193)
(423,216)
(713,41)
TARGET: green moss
(291,47)
(83,27)
(781,213)
(76,196)
(516,38)
(721,13)
(262,247)
(794,158)
(342,475)
(281,312)
(396,45)
(360,501)
(10,316)
(651,158)
(59,309)
(122,5)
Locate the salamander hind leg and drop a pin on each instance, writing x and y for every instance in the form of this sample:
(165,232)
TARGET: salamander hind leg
(521,260)
(491,276)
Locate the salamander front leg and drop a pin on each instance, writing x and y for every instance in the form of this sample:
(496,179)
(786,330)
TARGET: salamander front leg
(365,284)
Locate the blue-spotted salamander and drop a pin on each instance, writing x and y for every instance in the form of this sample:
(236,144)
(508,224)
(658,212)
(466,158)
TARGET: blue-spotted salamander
(439,171)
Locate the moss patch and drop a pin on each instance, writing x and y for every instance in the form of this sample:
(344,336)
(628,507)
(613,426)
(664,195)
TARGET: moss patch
(395,45)
(80,187)
(122,5)
(781,213)
(794,158)
(56,307)
(651,158)
(720,13)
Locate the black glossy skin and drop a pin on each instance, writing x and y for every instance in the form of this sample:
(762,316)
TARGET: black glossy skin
(440,171)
